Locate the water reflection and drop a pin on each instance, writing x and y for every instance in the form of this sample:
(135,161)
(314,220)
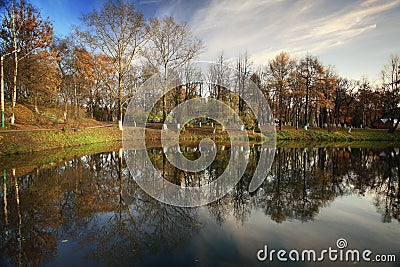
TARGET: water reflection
(92,202)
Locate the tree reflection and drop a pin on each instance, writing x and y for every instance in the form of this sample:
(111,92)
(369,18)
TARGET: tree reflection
(387,197)
(304,180)
(94,201)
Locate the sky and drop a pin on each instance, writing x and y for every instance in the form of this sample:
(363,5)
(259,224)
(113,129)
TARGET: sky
(356,37)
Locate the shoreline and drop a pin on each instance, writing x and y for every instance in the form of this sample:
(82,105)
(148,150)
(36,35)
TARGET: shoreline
(12,142)
(21,142)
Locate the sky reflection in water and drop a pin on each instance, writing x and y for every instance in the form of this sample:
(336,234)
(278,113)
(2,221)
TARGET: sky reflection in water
(88,211)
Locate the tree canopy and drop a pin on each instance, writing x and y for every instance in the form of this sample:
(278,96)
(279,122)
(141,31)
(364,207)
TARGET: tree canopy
(101,65)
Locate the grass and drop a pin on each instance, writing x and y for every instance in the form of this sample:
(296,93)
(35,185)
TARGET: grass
(337,135)
(72,133)
(30,141)
(45,130)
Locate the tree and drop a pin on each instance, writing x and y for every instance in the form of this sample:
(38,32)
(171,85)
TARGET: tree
(344,100)
(39,78)
(243,67)
(65,60)
(171,45)
(391,89)
(85,79)
(280,73)
(118,31)
(327,87)
(370,103)
(309,72)
(219,74)
(101,95)
(25,33)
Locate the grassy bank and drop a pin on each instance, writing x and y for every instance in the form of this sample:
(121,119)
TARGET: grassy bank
(12,142)
(337,135)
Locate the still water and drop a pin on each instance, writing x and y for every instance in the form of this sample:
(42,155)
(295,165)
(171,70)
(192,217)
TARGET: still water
(88,211)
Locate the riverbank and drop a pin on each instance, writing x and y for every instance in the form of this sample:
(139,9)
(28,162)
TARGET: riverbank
(337,135)
(18,142)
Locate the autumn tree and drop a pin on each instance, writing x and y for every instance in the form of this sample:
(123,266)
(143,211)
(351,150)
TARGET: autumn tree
(325,101)
(39,78)
(117,31)
(171,45)
(256,79)
(102,95)
(28,37)
(85,80)
(65,59)
(280,74)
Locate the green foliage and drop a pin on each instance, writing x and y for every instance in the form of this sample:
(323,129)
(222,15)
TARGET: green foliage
(155,116)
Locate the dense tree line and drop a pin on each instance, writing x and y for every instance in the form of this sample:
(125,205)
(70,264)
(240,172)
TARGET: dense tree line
(115,49)
(304,90)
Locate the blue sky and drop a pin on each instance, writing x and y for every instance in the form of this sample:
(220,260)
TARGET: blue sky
(355,36)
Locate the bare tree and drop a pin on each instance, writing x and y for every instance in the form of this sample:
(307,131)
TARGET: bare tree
(118,31)
(309,72)
(391,88)
(243,66)
(171,45)
(220,75)
(344,100)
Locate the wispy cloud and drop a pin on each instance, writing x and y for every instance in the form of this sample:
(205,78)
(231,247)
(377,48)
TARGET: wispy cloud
(268,26)
(149,2)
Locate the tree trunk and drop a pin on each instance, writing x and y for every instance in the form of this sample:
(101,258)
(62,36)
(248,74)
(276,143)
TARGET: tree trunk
(35,103)
(280,110)
(92,105)
(164,104)
(66,109)
(120,101)
(14,95)
(36,107)
(75,102)
(306,108)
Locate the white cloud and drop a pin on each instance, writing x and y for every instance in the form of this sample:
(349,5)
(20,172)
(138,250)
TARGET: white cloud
(266,27)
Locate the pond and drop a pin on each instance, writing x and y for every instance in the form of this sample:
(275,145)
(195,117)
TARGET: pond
(87,210)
